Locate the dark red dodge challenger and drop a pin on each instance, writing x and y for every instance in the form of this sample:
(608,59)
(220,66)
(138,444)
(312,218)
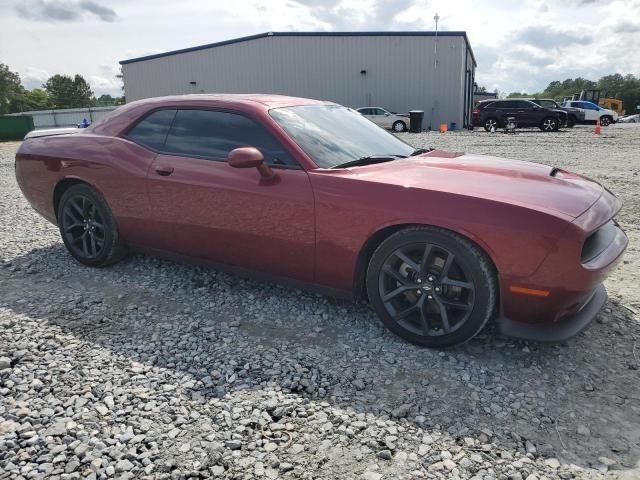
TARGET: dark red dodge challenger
(313,193)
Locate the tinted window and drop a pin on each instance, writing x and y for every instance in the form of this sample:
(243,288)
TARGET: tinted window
(501,105)
(379,111)
(152,130)
(365,111)
(332,135)
(523,105)
(212,135)
(588,106)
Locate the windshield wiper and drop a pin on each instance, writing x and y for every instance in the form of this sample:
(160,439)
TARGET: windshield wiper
(420,151)
(369,160)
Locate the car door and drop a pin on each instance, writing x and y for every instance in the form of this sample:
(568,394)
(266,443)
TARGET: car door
(203,207)
(590,110)
(504,109)
(383,118)
(528,114)
(368,113)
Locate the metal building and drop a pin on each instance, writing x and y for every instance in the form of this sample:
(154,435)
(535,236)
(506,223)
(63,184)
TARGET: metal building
(399,71)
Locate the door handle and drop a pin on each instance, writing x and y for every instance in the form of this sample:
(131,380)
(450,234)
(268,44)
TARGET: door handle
(165,171)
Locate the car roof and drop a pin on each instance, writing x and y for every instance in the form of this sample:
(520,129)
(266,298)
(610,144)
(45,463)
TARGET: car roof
(123,116)
(248,99)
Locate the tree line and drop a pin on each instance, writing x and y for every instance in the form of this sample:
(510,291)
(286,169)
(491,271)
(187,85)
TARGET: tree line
(59,91)
(623,87)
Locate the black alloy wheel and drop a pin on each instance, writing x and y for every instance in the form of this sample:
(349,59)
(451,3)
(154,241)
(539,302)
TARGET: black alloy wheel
(88,227)
(83,227)
(605,120)
(433,287)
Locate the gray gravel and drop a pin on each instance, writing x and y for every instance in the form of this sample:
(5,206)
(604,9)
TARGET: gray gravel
(150,369)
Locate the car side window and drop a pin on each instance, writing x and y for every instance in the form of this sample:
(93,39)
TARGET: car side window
(378,111)
(502,105)
(211,135)
(152,130)
(365,111)
(522,105)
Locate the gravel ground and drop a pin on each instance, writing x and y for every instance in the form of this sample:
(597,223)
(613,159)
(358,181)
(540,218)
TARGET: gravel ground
(150,369)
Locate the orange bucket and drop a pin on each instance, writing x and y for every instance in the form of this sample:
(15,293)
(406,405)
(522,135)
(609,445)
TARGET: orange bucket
(443,128)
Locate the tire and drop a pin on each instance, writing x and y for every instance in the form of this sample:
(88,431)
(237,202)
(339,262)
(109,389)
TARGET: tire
(491,122)
(399,126)
(606,120)
(88,228)
(571,121)
(409,290)
(549,124)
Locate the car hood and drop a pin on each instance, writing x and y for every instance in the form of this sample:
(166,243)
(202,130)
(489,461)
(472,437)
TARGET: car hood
(526,184)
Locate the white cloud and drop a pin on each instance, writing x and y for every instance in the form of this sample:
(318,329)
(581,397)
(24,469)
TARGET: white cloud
(518,45)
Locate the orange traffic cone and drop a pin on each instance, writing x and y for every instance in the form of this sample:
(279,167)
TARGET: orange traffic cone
(597,130)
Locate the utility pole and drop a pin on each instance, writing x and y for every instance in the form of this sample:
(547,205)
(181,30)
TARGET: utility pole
(436,17)
(435,53)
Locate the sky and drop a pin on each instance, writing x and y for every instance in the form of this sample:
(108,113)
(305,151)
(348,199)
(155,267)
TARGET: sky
(519,45)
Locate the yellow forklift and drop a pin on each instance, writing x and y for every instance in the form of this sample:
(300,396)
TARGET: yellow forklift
(614,104)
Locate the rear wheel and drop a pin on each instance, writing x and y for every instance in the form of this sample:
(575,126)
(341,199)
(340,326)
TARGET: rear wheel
(549,124)
(431,286)
(88,228)
(491,124)
(399,126)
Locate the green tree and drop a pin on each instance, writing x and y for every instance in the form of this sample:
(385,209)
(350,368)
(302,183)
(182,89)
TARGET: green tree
(67,92)
(10,89)
(36,99)
(611,85)
(105,100)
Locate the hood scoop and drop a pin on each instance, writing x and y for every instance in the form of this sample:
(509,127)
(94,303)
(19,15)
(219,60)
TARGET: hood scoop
(443,154)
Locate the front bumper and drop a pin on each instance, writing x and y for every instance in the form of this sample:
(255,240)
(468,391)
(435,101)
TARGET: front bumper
(557,332)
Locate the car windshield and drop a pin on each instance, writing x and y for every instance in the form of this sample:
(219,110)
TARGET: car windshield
(334,135)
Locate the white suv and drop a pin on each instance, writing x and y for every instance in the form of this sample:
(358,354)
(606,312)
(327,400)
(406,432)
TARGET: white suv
(593,112)
(385,118)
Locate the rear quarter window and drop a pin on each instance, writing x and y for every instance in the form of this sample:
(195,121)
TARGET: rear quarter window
(152,130)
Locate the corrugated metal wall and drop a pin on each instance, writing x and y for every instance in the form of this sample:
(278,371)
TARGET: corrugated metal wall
(401,74)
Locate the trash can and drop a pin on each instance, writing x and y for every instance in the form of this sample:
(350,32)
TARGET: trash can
(415,121)
(453,126)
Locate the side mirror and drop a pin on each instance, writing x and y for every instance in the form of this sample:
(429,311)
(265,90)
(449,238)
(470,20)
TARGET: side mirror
(245,157)
(250,157)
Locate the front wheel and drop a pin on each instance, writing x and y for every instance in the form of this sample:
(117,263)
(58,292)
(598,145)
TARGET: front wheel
(399,126)
(88,228)
(431,286)
(549,124)
(606,120)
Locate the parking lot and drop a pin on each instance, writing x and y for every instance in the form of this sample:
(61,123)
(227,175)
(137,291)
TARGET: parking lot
(151,368)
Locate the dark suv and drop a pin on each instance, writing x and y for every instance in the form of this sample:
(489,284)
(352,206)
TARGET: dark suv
(493,114)
(574,115)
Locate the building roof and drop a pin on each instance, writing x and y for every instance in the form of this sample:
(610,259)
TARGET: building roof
(307,34)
